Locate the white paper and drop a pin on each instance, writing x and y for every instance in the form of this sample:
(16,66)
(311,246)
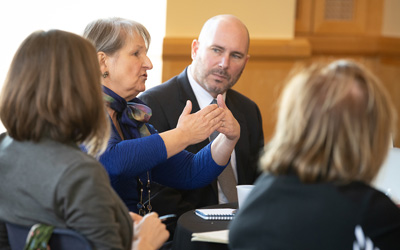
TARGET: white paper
(220,236)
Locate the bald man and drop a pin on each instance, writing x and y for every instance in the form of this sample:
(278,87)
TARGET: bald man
(219,56)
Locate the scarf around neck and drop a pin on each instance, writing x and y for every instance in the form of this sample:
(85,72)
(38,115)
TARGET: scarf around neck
(132,116)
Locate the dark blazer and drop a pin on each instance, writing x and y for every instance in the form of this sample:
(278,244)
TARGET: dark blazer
(283,213)
(167,102)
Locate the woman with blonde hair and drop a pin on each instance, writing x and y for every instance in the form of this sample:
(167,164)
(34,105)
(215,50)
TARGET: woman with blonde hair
(50,103)
(333,133)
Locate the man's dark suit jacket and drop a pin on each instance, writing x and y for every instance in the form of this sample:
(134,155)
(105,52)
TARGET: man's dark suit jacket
(167,102)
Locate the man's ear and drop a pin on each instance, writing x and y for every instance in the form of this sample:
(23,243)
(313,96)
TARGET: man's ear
(102,57)
(195,48)
(247,59)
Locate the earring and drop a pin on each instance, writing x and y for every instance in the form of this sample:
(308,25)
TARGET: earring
(105,74)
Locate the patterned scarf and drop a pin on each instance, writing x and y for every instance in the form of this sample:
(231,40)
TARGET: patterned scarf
(133,114)
(130,115)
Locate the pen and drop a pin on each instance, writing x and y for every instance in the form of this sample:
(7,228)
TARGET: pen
(165,217)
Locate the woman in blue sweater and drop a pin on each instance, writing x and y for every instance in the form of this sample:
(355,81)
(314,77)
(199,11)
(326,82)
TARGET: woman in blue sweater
(136,154)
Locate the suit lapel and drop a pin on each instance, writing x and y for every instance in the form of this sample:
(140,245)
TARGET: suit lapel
(186,93)
(235,111)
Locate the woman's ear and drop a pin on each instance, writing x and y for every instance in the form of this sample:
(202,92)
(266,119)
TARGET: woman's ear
(102,57)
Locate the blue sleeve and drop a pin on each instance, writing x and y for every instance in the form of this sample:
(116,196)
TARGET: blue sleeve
(128,159)
(131,158)
(188,171)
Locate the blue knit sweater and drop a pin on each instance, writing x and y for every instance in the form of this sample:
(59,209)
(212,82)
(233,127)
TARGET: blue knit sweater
(125,160)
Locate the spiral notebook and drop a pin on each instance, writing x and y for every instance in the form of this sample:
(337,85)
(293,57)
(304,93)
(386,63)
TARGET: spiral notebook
(216,213)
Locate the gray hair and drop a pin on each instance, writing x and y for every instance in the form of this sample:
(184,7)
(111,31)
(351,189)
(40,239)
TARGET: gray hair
(109,35)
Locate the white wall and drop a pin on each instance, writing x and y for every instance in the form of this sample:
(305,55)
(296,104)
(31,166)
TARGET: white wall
(19,18)
(387,180)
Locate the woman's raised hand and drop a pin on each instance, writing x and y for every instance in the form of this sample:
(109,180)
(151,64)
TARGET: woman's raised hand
(223,145)
(194,128)
(230,126)
(199,126)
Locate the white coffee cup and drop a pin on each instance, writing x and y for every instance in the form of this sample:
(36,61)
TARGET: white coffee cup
(243,191)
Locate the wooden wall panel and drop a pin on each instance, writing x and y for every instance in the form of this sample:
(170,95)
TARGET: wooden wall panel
(262,81)
(304,16)
(340,17)
(311,17)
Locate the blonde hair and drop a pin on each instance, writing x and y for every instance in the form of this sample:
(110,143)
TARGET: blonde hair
(110,34)
(53,90)
(335,123)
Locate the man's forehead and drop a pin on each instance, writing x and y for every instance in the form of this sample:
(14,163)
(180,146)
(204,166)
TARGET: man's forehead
(226,42)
